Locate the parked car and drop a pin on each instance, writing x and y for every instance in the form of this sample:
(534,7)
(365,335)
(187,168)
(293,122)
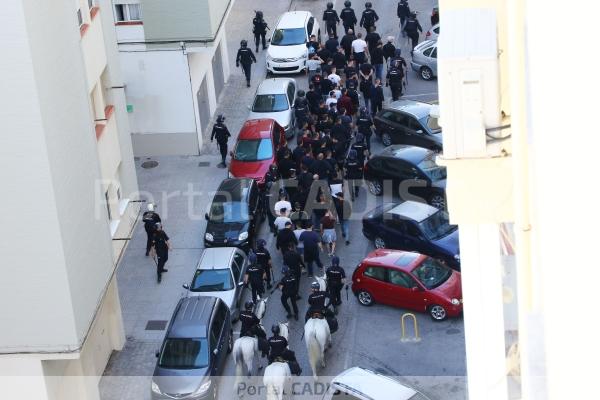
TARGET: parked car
(412,172)
(433,33)
(359,383)
(409,122)
(255,149)
(408,280)
(274,99)
(287,52)
(424,59)
(194,350)
(233,219)
(414,226)
(220,273)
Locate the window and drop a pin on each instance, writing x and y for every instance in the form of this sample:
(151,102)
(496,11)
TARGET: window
(127,12)
(375,273)
(427,52)
(401,279)
(236,271)
(212,280)
(184,354)
(437,30)
(309,25)
(215,329)
(254,150)
(79,17)
(91,4)
(270,103)
(107,198)
(432,273)
(434,53)
(119,193)
(414,125)
(228,212)
(238,262)
(290,92)
(288,37)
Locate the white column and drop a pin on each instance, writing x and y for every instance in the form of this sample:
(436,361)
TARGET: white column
(483,311)
(22,378)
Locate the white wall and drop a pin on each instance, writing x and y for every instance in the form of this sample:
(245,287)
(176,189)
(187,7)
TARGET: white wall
(130,33)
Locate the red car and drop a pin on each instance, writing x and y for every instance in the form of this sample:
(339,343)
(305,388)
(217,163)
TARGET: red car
(255,149)
(408,280)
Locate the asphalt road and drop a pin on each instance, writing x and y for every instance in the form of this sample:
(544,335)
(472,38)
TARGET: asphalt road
(370,337)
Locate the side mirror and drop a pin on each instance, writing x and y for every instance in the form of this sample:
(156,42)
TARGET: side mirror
(206,216)
(157,354)
(415,289)
(186,286)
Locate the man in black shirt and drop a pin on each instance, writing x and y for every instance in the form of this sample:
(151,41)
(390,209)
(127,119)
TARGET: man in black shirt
(285,238)
(289,291)
(321,167)
(403,13)
(369,16)
(150,219)
(346,43)
(331,19)
(372,39)
(259,30)
(221,133)
(412,29)
(251,327)
(263,258)
(336,277)
(160,247)
(376,97)
(312,246)
(255,276)
(377,60)
(348,16)
(245,56)
(389,50)
(332,45)
(339,60)
(316,302)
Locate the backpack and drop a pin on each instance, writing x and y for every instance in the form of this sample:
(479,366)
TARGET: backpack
(369,19)
(396,75)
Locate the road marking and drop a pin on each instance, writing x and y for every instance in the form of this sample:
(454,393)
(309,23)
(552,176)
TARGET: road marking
(420,95)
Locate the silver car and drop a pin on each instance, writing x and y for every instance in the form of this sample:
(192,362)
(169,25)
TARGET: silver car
(275,99)
(424,59)
(433,33)
(220,273)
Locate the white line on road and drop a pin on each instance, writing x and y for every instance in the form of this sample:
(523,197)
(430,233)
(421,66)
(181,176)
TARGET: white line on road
(420,95)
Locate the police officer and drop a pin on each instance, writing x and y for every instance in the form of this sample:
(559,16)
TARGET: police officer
(316,301)
(150,219)
(412,29)
(259,30)
(255,275)
(348,16)
(160,247)
(301,109)
(364,123)
(245,56)
(279,348)
(394,79)
(336,277)
(221,133)
(354,171)
(289,290)
(369,17)
(263,257)
(330,16)
(403,13)
(251,327)
(271,179)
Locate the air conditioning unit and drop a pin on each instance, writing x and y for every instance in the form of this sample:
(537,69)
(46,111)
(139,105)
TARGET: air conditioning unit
(469,81)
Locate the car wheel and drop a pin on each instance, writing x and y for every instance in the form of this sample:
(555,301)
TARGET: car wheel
(375,187)
(426,73)
(438,201)
(365,298)
(230,342)
(379,243)
(437,313)
(386,139)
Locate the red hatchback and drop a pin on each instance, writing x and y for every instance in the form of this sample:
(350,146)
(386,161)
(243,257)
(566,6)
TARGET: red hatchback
(255,149)
(408,280)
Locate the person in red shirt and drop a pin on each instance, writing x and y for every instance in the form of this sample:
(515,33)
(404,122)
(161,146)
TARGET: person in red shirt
(345,102)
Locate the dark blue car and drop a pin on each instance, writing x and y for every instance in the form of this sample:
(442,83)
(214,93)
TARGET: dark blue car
(414,226)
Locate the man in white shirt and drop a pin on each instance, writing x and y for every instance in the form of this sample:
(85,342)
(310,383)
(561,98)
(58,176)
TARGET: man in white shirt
(281,221)
(331,99)
(359,49)
(283,207)
(334,77)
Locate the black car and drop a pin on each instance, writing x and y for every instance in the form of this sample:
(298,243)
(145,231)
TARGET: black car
(194,350)
(234,215)
(408,122)
(412,173)
(414,226)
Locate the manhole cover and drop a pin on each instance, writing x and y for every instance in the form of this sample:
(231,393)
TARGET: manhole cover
(203,164)
(156,325)
(150,164)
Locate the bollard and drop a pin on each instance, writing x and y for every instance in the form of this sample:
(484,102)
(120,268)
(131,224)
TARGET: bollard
(416,328)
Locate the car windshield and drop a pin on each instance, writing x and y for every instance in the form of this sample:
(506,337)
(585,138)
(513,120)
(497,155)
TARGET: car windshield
(212,280)
(264,103)
(254,150)
(431,123)
(431,273)
(436,226)
(432,170)
(184,354)
(227,212)
(288,37)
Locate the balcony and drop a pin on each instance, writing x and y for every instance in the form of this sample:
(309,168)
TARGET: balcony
(109,150)
(92,46)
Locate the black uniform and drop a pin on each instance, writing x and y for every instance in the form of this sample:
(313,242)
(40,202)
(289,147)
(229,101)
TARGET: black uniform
(364,125)
(403,13)
(316,304)
(221,133)
(388,51)
(331,20)
(250,325)
(301,111)
(349,18)
(259,30)
(278,348)
(412,29)
(294,262)
(394,77)
(368,18)
(159,242)
(150,219)
(285,237)
(335,275)
(245,56)
(346,44)
(255,277)
(270,180)
(263,258)
(289,290)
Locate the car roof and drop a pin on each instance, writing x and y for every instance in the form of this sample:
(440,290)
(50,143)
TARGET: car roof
(404,260)
(412,154)
(274,86)
(416,108)
(293,19)
(413,210)
(236,188)
(256,129)
(219,257)
(372,385)
(425,44)
(192,317)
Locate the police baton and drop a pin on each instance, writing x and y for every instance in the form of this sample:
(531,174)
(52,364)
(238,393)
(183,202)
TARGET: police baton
(346,292)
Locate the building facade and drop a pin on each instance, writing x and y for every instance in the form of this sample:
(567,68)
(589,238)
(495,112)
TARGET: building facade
(514,168)
(69,175)
(175,64)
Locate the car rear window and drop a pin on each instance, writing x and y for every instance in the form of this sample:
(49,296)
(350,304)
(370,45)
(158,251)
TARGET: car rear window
(265,103)
(184,354)
(254,150)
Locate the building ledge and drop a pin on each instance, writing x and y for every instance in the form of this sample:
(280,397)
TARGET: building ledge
(83,29)
(114,225)
(94,11)
(108,112)
(123,203)
(125,23)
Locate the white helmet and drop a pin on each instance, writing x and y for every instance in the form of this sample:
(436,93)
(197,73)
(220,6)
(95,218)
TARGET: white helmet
(150,207)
